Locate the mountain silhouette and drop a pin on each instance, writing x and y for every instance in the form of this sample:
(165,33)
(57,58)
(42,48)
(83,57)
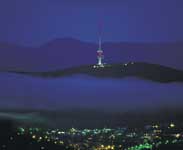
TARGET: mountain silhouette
(143,70)
(69,52)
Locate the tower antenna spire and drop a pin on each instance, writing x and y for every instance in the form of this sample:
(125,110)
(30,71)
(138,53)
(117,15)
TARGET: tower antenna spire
(100,43)
(100,35)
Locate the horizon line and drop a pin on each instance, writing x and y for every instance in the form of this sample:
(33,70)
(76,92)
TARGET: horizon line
(90,42)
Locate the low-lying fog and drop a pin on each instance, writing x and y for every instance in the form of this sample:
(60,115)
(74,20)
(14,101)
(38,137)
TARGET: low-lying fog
(80,91)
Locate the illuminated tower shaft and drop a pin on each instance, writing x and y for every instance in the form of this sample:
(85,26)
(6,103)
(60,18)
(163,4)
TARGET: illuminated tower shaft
(100,55)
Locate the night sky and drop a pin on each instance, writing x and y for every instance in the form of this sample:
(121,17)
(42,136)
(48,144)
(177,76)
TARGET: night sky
(34,22)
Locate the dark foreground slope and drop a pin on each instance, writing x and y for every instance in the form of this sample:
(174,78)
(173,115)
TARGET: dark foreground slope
(146,71)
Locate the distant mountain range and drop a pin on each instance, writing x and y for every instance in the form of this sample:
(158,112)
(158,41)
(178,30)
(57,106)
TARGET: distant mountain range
(68,52)
(147,71)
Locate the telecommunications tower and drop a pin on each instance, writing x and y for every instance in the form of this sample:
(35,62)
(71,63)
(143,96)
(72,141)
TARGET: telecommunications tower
(100,54)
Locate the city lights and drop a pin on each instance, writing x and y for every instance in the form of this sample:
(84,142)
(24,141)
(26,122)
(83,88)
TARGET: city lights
(149,138)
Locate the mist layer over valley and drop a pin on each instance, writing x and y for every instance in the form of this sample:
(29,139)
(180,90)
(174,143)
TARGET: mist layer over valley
(81,91)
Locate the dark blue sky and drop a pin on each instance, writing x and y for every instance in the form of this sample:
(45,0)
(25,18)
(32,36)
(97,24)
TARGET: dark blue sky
(34,22)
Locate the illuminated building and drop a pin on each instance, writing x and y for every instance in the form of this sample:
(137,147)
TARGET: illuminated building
(100,54)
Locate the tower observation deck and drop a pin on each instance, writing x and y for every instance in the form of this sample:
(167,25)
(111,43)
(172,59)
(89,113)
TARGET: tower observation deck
(100,53)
